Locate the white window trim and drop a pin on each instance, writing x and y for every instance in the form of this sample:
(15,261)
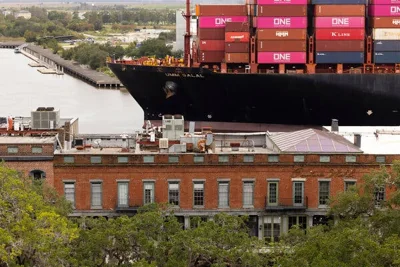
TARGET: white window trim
(299,179)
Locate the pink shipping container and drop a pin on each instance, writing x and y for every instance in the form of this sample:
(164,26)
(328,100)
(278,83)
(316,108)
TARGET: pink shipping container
(384,2)
(339,22)
(384,10)
(281,57)
(281,22)
(219,21)
(282,2)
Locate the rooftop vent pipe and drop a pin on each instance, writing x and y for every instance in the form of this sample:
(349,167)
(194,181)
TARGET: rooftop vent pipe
(357,140)
(335,125)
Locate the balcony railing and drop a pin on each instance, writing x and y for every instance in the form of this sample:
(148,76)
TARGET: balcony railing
(287,204)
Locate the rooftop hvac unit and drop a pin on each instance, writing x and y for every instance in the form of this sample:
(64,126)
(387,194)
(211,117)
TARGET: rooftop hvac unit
(45,119)
(163,143)
(173,126)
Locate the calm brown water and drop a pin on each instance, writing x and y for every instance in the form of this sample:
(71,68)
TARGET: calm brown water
(23,89)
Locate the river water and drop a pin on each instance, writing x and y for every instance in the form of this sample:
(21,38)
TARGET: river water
(23,89)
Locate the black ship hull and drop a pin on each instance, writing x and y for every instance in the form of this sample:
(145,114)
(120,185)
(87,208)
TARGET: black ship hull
(302,99)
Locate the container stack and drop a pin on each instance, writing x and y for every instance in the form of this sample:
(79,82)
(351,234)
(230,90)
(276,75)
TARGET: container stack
(211,29)
(385,22)
(281,31)
(339,31)
(237,42)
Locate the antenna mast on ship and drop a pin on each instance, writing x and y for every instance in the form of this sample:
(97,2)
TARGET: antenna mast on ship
(187,34)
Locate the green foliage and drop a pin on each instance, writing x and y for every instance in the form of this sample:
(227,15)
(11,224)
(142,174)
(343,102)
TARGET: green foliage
(152,47)
(168,36)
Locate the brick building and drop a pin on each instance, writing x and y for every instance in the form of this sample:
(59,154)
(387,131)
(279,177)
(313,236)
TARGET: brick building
(278,179)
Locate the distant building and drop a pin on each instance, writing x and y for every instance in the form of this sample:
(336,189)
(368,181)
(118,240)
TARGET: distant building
(23,13)
(5,12)
(181,30)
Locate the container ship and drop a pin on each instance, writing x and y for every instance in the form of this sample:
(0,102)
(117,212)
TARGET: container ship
(301,62)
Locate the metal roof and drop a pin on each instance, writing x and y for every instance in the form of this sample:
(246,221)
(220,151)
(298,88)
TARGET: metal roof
(312,140)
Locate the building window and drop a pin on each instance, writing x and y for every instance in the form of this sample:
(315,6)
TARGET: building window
(351,159)
(348,184)
(96,195)
(95,159)
(148,159)
(272,228)
(248,158)
(37,174)
(298,158)
(323,193)
(273,158)
(325,159)
(379,195)
(380,159)
(272,193)
(123,159)
(298,193)
(223,194)
(123,194)
(198,159)
(248,194)
(148,192)
(12,149)
(301,221)
(223,159)
(69,192)
(37,150)
(69,159)
(173,159)
(173,193)
(198,194)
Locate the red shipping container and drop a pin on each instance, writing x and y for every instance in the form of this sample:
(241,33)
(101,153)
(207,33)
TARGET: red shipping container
(242,37)
(221,10)
(339,34)
(237,27)
(212,45)
(281,34)
(237,57)
(211,34)
(282,46)
(211,56)
(282,11)
(340,46)
(339,10)
(385,22)
(237,47)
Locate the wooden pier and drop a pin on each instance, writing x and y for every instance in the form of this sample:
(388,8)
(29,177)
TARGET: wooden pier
(11,45)
(90,76)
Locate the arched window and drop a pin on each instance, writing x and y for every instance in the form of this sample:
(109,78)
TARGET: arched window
(37,174)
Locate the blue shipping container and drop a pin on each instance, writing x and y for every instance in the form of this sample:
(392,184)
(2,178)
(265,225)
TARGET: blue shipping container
(387,57)
(386,45)
(339,2)
(339,57)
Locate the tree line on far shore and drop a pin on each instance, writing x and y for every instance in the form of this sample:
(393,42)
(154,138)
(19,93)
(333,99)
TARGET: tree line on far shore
(36,231)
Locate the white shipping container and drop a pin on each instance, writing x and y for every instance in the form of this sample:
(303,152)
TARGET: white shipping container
(386,34)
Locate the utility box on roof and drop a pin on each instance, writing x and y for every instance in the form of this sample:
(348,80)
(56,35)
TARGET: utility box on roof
(173,126)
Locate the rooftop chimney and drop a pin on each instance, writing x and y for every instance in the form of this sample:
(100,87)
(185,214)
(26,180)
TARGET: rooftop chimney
(357,140)
(335,125)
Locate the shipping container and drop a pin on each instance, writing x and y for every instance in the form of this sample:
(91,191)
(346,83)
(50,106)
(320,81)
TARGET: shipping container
(386,45)
(281,22)
(339,22)
(274,34)
(384,2)
(281,57)
(339,2)
(211,34)
(386,57)
(339,34)
(237,27)
(211,56)
(282,11)
(385,22)
(237,47)
(339,10)
(212,45)
(339,57)
(239,37)
(386,34)
(384,10)
(282,2)
(237,57)
(251,2)
(219,21)
(335,46)
(221,10)
(281,46)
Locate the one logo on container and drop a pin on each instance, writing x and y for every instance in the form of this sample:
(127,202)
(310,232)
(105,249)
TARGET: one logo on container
(282,22)
(340,21)
(282,57)
(395,10)
(222,21)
